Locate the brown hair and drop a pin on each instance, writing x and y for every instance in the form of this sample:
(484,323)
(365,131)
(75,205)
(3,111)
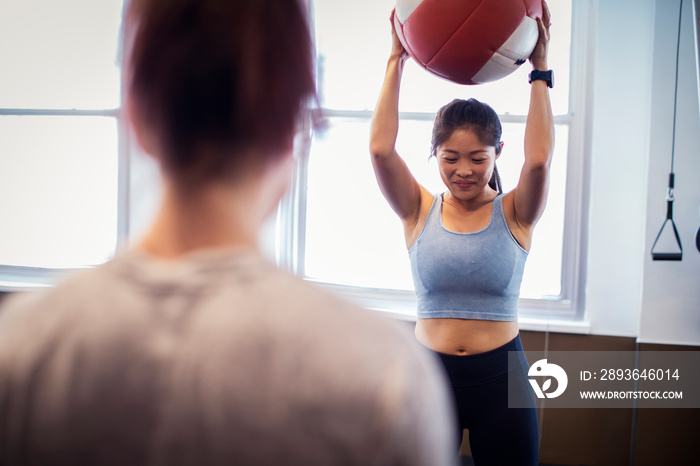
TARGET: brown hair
(474,116)
(216,79)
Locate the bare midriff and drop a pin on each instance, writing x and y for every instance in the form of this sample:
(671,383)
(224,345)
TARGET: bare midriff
(464,336)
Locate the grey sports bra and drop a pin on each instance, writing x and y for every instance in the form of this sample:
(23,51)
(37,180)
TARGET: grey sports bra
(467,275)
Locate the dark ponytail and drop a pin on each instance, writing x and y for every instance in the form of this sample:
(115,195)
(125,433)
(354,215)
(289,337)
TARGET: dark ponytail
(495,181)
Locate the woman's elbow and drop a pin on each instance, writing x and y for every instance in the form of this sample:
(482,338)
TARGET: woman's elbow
(540,157)
(379,150)
(538,169)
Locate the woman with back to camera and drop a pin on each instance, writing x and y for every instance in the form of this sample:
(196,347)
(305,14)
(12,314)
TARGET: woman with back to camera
(467,249)
(189,348)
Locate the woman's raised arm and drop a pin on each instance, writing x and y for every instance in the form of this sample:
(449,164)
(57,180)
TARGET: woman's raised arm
(531,193)
(396,182)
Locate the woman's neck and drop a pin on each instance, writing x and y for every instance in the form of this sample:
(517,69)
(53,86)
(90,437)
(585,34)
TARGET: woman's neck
(207,217)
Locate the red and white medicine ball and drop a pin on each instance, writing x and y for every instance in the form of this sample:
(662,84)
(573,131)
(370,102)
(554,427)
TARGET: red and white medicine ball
(468,41)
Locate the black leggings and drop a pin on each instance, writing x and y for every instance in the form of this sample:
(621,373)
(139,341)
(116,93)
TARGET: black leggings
(498,435)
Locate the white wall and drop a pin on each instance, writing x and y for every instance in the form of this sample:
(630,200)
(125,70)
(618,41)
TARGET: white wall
(671,294)
(627,293)
(620,101)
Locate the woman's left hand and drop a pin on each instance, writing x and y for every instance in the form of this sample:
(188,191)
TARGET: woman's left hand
(538,58)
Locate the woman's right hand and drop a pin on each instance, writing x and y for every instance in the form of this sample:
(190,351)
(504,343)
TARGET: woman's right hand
(397,48)
(538,58)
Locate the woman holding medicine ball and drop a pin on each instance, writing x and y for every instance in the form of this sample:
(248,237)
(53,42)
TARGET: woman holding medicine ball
(467,248)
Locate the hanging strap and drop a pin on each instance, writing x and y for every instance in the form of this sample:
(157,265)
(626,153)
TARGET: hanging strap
(671,256)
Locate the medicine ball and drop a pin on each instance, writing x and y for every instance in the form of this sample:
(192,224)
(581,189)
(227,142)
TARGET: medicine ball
(468,41)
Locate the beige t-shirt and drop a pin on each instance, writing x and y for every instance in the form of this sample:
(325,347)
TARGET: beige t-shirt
(218,358)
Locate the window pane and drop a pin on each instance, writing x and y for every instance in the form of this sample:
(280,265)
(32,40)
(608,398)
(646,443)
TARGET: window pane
(59,54)
(354,40)
(58,190)
(542,275)
(353,237)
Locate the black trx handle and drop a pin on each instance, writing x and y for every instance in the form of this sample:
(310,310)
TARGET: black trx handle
(668,256)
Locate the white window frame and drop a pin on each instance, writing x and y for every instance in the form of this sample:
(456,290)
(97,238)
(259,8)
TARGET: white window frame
(566,310)
(19,278)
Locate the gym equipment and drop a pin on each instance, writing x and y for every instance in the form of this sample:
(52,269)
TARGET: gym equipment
(468,41)
(676,254)
(668,255)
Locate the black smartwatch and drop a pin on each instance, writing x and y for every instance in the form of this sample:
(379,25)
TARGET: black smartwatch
(547,76)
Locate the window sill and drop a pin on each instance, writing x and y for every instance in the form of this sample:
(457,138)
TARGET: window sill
(11,287)
(19,278)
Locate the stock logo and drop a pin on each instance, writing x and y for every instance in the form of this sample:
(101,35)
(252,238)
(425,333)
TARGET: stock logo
(543,369)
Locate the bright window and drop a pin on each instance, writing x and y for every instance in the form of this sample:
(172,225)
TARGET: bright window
(59,107)
(347,236)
